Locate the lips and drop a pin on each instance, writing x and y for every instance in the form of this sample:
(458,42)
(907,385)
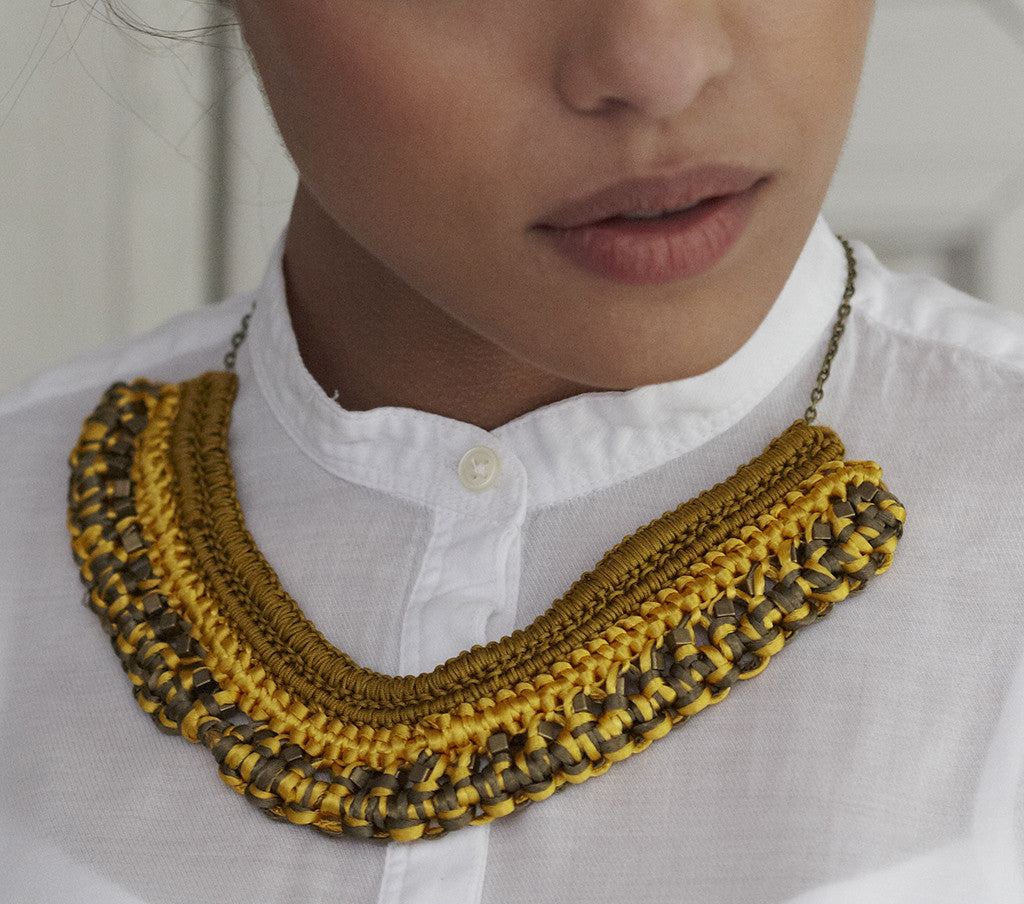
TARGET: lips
(655,230)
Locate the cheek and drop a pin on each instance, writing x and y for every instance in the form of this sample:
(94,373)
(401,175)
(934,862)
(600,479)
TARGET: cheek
(810,64)
(371,109)
(342,100)
(401,150)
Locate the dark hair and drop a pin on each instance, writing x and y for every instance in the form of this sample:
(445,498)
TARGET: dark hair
(218,14)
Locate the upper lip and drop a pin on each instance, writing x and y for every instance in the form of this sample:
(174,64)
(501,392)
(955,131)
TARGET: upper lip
(652,194)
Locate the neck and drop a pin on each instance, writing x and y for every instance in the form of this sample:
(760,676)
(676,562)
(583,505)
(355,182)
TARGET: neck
(371,341)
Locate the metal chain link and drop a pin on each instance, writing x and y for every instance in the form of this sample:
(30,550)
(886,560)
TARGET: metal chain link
(818,393)
(238,338)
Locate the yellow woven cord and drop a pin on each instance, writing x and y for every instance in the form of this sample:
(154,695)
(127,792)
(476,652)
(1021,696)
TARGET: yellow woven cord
(662,628)
(627,576)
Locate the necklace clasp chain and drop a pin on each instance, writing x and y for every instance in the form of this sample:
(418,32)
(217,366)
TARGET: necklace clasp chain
(238,338)
(818,393)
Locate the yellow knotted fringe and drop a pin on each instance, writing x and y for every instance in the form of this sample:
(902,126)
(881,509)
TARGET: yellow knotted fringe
(662,628)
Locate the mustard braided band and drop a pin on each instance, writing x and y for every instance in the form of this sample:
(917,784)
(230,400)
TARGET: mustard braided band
(663,627)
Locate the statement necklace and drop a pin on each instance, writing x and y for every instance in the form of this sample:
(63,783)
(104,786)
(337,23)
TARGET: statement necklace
(664,625)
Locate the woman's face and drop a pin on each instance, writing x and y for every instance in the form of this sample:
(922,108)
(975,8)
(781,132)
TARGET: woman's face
(527,168)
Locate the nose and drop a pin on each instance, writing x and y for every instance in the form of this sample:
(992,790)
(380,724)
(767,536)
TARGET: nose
(653,58)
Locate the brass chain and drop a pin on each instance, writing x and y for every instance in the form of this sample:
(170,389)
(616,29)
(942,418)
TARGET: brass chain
(238,338)
(818,393)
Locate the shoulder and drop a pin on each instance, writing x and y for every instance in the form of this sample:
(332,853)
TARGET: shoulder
(933,385)
(181,347)
(928,320)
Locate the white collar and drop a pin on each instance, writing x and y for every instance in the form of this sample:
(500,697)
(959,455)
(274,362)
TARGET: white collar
(575,446)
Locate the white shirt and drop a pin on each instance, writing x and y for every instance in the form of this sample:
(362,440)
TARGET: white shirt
(879,758)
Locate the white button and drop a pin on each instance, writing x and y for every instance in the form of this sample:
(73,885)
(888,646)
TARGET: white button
(479,469)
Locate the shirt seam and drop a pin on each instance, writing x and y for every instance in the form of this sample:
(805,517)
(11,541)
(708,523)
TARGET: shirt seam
(905,333)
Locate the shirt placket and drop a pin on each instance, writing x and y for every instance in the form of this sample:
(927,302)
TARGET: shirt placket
(466,589)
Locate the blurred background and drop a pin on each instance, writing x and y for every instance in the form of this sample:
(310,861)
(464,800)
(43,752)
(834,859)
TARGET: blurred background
(141,177)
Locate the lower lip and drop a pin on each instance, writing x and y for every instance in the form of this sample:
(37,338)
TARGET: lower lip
(655,252)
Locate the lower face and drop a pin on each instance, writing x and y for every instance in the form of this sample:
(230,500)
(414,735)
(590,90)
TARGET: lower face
(609,193)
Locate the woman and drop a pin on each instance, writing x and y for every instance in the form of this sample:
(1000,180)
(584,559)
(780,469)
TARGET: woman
(552,269)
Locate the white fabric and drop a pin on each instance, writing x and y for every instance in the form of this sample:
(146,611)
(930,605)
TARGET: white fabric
(879,758)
